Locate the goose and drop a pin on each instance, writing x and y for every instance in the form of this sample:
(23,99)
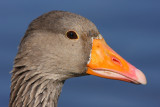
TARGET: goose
(59,45)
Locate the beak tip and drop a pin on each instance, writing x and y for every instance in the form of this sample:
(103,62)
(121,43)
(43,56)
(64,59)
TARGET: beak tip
(141,77)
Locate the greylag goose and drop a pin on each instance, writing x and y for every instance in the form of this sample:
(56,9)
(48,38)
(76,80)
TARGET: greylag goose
(59,45)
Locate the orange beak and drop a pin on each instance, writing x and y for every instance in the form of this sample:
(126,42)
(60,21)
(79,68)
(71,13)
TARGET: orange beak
(105,62)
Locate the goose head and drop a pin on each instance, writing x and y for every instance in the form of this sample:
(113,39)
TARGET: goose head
(62,45)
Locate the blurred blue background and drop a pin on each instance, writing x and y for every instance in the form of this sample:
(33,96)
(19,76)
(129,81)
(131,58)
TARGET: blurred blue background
(130,27)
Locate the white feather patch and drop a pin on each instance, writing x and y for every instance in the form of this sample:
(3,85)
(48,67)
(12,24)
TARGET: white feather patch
(90,53)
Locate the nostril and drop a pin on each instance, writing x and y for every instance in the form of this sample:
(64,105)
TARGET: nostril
(116,60)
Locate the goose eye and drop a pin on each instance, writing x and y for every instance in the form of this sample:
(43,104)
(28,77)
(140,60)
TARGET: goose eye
(71,35)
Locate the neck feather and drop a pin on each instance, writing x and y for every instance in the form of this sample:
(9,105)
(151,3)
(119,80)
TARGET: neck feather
(29,89)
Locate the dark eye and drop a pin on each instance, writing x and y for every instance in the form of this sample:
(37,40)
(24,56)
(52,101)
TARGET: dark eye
(71,35)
